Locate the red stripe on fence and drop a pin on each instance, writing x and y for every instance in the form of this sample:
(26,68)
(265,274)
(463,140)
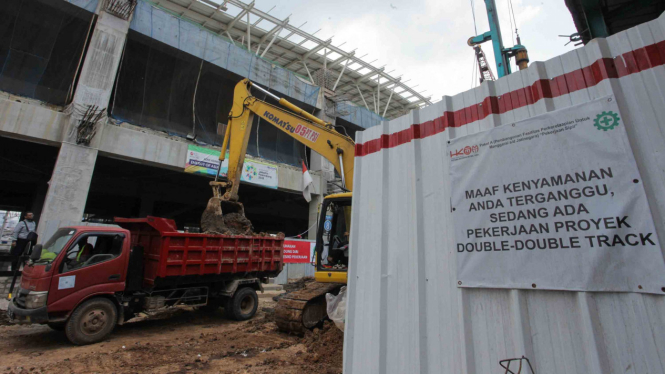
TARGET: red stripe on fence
(605,68)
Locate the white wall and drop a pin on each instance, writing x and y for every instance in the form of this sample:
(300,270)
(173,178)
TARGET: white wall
(405,311)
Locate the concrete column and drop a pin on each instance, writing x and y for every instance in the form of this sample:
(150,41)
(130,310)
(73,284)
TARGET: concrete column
(68,189)
(38,200)
(319,164)
(99,70)
(325,167)
(317,200)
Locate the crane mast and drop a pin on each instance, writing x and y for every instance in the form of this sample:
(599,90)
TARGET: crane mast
(486,73)
(502,55)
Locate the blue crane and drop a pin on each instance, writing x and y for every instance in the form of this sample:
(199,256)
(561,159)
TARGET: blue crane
(502,55)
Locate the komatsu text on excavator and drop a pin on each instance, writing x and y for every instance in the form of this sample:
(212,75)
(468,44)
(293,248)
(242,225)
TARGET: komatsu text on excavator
(306,308)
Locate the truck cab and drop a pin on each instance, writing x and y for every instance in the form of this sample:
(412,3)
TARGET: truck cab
(76,264)
(85,280)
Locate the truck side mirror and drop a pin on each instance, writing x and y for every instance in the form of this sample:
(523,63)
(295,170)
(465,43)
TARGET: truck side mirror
(36,252)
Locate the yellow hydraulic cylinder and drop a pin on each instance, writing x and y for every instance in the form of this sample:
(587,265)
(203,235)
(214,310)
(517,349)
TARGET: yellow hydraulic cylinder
(286,104)
(522,59)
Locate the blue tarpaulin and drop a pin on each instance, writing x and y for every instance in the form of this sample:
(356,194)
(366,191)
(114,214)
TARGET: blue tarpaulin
(359,116)
(41,45)
(89,5)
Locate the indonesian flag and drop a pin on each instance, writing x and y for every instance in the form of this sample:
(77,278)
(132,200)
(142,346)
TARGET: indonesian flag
(307,183)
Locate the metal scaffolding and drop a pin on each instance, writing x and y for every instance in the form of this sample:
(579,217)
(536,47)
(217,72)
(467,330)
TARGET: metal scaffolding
(351,77)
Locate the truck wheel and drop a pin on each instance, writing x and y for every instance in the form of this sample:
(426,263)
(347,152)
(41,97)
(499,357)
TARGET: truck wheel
(243,305)
(91,322)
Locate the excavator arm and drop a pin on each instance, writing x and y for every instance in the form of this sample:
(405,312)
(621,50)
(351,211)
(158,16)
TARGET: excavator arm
(315,133)
(305,308)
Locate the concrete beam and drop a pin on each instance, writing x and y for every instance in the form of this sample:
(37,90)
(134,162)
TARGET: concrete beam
(35,122)
(145,146)
(31,121)
(137,144)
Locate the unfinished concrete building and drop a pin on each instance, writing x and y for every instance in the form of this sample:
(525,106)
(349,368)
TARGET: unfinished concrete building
(101,101)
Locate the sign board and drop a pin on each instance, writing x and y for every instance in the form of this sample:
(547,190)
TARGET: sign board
(298,251)
(202,160)
(327,225)
(554,202)
(65,283)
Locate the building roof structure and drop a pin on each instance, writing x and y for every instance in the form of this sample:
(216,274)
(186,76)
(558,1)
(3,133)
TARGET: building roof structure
(344,75)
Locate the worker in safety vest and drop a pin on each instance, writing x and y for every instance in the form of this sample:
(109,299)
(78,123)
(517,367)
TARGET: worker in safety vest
(85,250)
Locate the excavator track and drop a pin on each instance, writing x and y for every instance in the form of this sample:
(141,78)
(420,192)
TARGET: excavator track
(304,309)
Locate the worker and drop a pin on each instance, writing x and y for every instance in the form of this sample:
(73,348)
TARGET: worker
(24,233)
(85,250)
(339,255)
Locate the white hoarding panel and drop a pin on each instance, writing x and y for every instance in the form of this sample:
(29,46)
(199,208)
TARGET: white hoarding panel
(406,312)
(554,202)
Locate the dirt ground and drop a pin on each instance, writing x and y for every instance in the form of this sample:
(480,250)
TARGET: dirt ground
(182,341)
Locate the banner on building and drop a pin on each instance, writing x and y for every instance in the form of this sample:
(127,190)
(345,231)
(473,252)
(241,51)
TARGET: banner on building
(298,251)
(554,202)
(202,160)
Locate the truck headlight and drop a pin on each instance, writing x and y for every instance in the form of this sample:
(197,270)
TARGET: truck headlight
(36,300)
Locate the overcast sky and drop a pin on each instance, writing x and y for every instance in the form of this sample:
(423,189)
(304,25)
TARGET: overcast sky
(425,40)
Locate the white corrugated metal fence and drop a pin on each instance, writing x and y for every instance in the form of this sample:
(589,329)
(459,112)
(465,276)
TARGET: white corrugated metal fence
(405,311)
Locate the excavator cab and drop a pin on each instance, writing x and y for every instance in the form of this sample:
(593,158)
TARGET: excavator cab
(305,309)
(332,239)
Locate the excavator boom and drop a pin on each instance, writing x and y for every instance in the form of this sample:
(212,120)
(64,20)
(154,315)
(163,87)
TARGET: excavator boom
(304,127)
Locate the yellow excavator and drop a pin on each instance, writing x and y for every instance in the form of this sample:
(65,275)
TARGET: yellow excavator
(306,308)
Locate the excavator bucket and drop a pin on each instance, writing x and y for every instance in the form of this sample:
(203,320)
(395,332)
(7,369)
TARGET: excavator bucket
(223,216)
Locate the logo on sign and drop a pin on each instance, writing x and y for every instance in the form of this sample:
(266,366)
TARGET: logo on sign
(606,121)
(250,172)
(466,151)
(327,225)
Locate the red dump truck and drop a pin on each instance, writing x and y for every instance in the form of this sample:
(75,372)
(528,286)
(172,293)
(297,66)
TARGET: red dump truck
(85,280)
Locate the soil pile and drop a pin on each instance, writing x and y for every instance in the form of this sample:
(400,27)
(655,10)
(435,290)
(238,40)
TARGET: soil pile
(298,285)
(4,320)
(294,286)
(182,341)
(237,224)
(326,345)
(213,221)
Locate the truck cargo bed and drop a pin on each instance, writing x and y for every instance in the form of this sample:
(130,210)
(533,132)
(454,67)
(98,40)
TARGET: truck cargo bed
(170,256)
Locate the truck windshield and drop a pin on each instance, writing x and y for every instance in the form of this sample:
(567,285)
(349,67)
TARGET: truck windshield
(53,246)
